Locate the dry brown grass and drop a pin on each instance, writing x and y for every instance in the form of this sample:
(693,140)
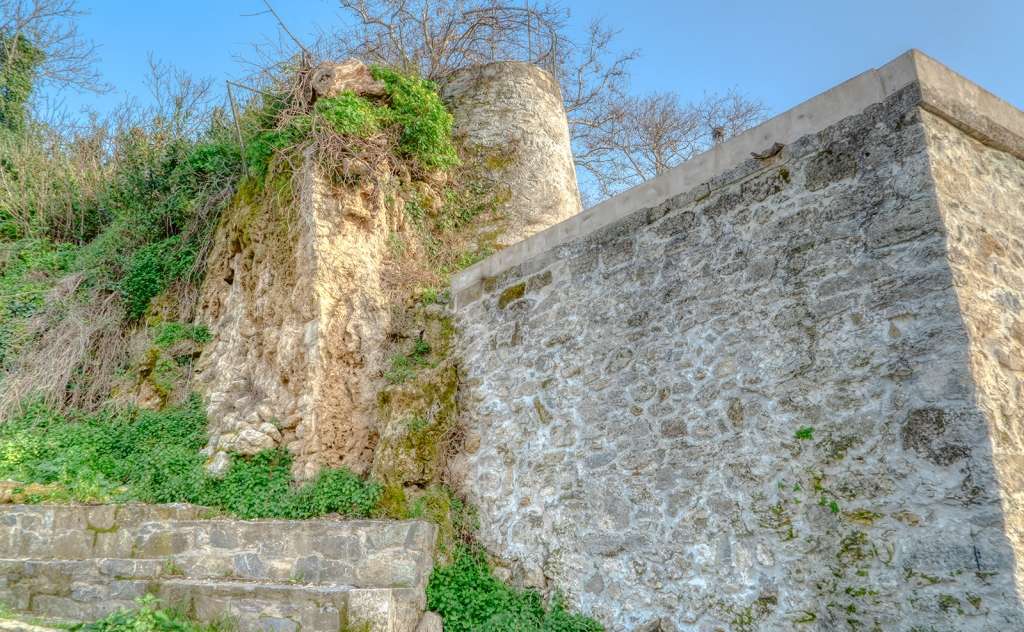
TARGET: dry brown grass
(79,346)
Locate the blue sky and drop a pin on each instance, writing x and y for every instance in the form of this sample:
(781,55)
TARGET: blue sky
(780,51)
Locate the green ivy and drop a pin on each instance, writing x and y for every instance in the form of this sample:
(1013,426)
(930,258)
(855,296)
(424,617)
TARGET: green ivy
(152,269)
(153,456)
(19,66)
(168,334)
(349,114)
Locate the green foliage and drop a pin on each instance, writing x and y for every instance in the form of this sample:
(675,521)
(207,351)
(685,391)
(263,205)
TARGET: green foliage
(403,367)
(432,295)
(19,67)
(110,455)
(426,123)
(149,456)
(215,158)
(260,149)
(160,198)
(349,114)
(469,598)
(456,520)
(168,334)
(152,269)
(334,491)
(805,433)
(150,617)
(29,271)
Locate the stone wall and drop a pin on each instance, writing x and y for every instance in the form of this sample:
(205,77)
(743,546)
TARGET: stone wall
(82,563)
(981,200)
(785,398)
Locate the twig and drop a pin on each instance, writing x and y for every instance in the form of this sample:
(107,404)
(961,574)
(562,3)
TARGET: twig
(284,28)
(238,127)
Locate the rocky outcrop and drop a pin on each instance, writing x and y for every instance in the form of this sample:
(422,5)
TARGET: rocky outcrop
(330,79)
(295,293)
(295,300)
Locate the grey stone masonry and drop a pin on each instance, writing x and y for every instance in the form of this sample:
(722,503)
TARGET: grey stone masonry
(788,395)
(84,562)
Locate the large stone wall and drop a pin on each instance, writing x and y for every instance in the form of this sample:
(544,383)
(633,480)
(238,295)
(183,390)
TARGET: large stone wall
(788,397)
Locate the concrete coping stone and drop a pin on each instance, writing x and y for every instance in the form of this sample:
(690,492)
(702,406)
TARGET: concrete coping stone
(966,105)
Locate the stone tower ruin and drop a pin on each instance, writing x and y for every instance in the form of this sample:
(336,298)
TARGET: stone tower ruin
(511,115)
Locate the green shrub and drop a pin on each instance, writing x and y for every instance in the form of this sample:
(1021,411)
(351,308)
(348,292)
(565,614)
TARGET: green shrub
(150,456)
(19,66)
(260,149)
(426,124)
(30,269)
(334,491)
(349,114)
(469,598)
(151,270)
(112,455)
(168,334)
(215,158)
(255,487)
(403,367)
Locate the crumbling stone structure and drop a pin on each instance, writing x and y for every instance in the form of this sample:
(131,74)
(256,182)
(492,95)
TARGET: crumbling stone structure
(510,114)
(297,302)
(778,388)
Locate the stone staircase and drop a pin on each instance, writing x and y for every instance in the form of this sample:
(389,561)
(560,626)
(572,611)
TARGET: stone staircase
(83,562)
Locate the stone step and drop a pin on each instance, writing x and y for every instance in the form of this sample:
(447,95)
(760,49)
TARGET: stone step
(17,625)
(85,562)
(72,530)
(362,553)
(87,590)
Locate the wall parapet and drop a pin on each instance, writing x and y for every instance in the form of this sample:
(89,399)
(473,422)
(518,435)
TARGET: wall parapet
(975,111)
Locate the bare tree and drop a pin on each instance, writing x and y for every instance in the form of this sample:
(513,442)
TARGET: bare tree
(50,26)
(437,37)
(618,140)
(182,104)
(641,137)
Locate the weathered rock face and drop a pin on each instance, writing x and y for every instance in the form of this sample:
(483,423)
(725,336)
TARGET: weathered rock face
(299,318)
(331,79)
(511,115)
(789,398)
(417,415)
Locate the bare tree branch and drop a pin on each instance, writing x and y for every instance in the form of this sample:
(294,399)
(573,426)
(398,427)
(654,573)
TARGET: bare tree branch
(641,137)
(51,27)
(618,140)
